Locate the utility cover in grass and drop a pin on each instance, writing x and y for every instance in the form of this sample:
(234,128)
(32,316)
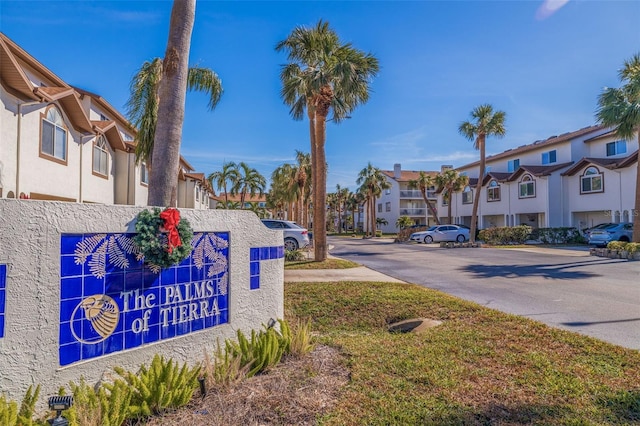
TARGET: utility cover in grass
(413,325)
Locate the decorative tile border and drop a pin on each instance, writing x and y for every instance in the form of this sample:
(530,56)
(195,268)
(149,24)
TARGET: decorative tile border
(3,290)
(258,254)
(111,301)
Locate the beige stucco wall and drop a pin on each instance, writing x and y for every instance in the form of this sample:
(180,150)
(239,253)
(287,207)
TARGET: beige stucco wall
(30,247)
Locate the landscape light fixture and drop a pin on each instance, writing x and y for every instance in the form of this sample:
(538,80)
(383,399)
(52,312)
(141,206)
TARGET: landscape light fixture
(271,323)
(59,404)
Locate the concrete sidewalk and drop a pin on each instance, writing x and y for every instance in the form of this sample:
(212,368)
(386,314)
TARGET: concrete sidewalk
(361,273)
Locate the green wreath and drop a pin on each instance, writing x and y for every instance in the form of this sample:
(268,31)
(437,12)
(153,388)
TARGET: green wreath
(154,241)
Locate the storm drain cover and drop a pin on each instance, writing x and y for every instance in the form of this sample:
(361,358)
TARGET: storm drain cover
(413,325)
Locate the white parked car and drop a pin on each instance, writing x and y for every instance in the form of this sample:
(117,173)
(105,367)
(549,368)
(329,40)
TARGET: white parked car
(441,233)
(295,236)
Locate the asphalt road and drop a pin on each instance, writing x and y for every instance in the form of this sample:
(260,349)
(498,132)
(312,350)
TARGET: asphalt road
(569,289)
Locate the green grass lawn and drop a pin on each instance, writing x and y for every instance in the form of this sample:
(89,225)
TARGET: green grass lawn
(480,367)
(329,263)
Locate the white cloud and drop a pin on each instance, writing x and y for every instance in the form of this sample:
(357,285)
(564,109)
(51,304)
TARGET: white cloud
(549,7)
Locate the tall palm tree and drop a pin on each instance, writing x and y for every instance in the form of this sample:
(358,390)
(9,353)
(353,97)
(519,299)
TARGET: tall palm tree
(302,179)
(620,108)
(221,178)
(324,75)
(423,183)
(341,195)
(250,182)
(282,192)
(448,182)
(156,104)
(485,122)
(372,182)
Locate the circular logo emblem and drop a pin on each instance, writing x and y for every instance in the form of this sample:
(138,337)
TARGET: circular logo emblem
(95,319)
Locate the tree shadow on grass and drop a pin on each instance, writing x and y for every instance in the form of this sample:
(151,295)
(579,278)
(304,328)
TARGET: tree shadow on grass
(559,271)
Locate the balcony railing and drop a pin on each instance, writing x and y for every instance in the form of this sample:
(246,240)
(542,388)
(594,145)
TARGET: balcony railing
(413,212)
(416,194)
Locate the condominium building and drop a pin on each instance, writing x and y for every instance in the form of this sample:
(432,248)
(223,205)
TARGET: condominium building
(577,179)
(59,142)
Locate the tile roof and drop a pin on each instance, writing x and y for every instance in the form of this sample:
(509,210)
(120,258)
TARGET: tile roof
(406,175)
(608,163)
(538,171)
(538,144)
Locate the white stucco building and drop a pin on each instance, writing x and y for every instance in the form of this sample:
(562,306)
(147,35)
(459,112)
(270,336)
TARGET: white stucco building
(59,142)
(577,179)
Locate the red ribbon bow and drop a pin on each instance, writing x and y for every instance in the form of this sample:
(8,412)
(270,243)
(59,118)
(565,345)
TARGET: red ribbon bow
(171,219)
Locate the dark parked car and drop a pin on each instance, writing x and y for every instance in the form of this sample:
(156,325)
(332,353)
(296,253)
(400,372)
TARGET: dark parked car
(295,236)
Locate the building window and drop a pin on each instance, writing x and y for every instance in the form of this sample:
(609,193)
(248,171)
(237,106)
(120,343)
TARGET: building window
(591,181)
(616,148)
(445,198)
(513,165)
(387,206)
(380,208)
(527,187)
(467,195)
(197,194)
(144,174)
(493,191)
(100,156)
(53,141)
(549,157)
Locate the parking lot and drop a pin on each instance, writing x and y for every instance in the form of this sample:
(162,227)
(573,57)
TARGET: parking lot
(565,288)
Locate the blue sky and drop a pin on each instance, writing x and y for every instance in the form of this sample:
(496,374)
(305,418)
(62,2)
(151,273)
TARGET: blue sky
(543,63)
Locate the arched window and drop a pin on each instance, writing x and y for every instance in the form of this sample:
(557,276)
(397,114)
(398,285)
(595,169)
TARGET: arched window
(467,195)
(527,187)
(493,191)
(591,181)
(53,136)
(100,156)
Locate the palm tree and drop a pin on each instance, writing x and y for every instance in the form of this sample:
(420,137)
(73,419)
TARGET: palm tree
(485,122)
(423,183)
(404,222)
(324,75)
(261,212)
(620,108)
(228,175)
(381,221)
(302,174)
(250,181)
(448,182)
(156,104)
(341,195)
(372,182)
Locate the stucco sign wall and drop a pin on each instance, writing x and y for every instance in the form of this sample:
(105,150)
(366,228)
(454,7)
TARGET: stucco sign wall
(76,299)
(111,301)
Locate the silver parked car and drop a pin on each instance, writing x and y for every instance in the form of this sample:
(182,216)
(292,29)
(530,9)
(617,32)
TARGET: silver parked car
(441,233)
(613,232)
(295,236)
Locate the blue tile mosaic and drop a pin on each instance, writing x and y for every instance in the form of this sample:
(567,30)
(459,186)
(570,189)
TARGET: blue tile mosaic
(258,254)
(113,302)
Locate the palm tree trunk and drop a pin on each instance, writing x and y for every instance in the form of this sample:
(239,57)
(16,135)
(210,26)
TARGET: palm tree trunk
(430,206)
(476,196)
(449,206)
(320,193)
(172,92)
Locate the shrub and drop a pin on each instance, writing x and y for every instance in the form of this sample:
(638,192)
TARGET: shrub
(378,233)
(617,245)
(261,352)
(558,236)
(632,248)
(297,339)
(505,235)
(8,412)
(224,369)
(109,405)
(293,255)
(28,408)
(160,387)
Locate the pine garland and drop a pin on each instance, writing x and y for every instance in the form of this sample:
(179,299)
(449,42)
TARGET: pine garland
(152,240)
